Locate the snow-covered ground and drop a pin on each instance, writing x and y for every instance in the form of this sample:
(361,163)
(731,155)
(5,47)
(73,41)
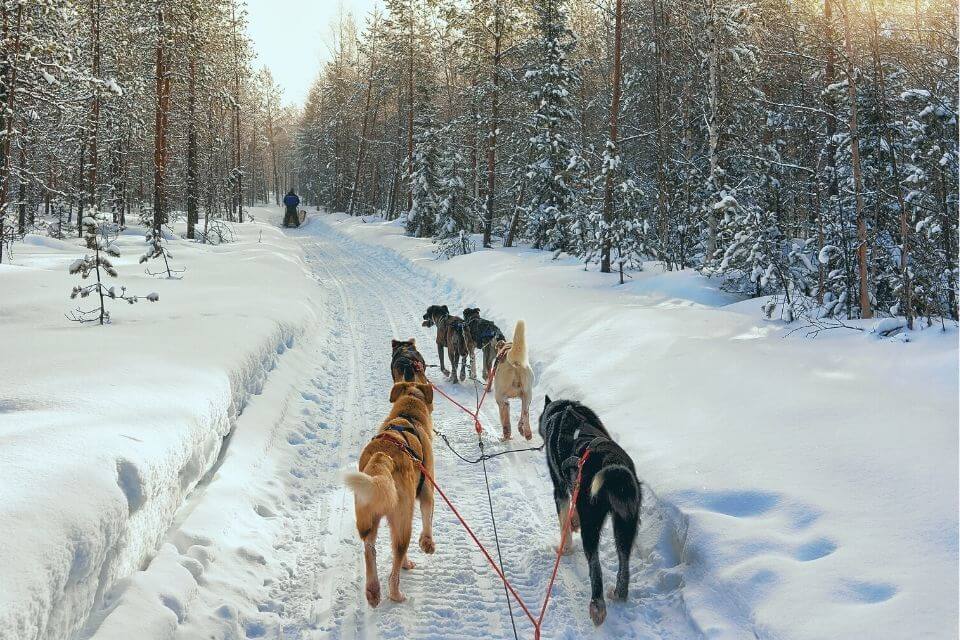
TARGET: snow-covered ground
(795,488)
(815,480)
(104,431)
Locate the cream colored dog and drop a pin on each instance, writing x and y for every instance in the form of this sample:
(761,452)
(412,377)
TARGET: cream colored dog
(514,379)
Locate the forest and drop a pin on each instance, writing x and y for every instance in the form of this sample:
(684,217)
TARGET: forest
(801,150)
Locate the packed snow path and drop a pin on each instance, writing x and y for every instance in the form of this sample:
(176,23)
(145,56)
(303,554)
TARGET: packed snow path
(452,593)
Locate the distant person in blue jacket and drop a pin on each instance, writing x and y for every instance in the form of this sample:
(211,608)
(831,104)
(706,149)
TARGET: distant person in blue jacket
(291,202)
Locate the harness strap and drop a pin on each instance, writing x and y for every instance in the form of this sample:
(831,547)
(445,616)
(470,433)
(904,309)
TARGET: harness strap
(406,446)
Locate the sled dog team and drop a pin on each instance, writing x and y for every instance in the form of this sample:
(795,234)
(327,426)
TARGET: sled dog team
(389,481)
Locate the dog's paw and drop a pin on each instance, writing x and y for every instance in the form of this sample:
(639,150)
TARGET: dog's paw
(373,594)
(400,597)
(613,594)
(408,564)
(598,611)
(427,545)
(566,550)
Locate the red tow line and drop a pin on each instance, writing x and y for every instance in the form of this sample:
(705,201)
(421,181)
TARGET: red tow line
(565,534)
(486,389)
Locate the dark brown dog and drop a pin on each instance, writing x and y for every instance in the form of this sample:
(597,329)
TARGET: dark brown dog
(389,482)
(449,336)
(406,364)
(482,334)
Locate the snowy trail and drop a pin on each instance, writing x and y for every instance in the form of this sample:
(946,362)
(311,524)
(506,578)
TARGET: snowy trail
(452,593)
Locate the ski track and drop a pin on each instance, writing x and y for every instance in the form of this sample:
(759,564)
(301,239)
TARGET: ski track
(453,593)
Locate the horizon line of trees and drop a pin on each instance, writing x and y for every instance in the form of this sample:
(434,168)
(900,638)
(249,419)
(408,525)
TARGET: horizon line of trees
(804,150)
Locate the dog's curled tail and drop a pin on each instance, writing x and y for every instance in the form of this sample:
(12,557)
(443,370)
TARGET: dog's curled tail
(620,487)
(518,352)
(376,491)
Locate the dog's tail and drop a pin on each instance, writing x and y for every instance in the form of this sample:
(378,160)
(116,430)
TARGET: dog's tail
(518,352)
(378,490)
(618,484)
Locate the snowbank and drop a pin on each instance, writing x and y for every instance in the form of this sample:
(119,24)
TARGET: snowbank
(817,478)
(105,431)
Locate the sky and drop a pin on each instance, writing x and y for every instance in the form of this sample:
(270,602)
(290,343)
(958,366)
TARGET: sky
(293,38)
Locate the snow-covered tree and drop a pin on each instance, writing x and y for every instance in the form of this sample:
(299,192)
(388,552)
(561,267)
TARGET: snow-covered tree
(157,249)
(97,263)
(555,170)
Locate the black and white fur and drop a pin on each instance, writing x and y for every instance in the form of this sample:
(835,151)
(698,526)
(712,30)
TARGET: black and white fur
(609,485)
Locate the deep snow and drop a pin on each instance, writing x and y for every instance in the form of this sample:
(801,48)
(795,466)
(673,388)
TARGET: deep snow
(795,488)
(104,431)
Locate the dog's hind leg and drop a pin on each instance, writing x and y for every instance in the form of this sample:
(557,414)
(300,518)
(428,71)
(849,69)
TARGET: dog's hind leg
(590,535)
(454,360)
(426,516)
(473,363)
(524,424)
(368,535)
(504,406)
(400,530)
(624,532)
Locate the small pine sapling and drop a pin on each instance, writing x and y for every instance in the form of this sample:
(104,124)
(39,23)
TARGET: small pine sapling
(98,264)
(157,248)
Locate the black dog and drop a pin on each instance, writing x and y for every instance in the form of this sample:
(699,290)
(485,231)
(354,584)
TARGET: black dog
(609,485)
(482,334)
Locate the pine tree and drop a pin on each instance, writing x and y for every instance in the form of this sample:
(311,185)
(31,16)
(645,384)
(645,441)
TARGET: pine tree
(98,264)
(556,167)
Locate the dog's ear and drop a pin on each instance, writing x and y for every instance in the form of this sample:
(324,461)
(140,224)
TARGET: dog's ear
(427,392)
(546,401)
(444,309)
(396,390)
(395,343)
(413,342)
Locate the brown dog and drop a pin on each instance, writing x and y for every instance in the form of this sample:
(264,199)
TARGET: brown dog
(449,336)
(389,481)
(514,379)
(406,363)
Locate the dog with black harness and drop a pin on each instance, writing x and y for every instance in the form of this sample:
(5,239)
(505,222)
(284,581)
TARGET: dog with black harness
(608,485)
(406,362)
(389,481)
(483,334)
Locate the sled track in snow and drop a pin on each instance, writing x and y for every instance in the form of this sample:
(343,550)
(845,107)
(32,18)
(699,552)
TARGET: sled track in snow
(452,593)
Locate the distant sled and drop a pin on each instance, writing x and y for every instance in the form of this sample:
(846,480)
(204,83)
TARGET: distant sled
(301,218)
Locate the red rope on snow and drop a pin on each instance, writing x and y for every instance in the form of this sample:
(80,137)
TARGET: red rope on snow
(565,533)
(563,540)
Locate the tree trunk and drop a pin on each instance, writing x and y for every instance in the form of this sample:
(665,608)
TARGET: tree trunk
(494,124)
(612,149)
(94,126)
(8,90)
(410,115)
(363,131)
(193,181)
(236,116)
(865,309)
(159,133)
(713,124)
